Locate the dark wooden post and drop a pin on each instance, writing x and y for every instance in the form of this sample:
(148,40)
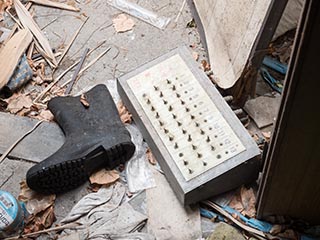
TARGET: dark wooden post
(290,185)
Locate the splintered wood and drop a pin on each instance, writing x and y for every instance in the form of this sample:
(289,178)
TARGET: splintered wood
(28,22)
(10,54)
(189,124)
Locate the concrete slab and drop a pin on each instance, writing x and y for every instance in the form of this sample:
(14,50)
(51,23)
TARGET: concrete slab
(12,172)
(167,218)
(263,110)
(44,141)
(128,50)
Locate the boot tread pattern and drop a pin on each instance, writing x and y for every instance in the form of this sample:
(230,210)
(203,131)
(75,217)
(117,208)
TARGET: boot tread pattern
(68,175)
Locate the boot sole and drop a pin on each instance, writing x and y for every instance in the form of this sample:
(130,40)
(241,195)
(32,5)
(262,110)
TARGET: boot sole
(62,177)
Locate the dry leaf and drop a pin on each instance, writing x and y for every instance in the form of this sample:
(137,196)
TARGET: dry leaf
(244,202)
(248,199)
(267,135)
(3,5)
(46,115)
(39,206)
(150,157)
(35,202)
(84,101)
(125,116)
(39,222)
(205,65)
(104,177)
(236,203)
(122,23)
(195,56)
(17,102)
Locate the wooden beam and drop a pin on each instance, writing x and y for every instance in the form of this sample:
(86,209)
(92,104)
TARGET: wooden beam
(290,184)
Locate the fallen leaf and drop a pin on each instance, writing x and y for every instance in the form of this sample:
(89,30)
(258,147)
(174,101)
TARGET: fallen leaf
(267,135)
(17,102)
(35,202)
(104,177)
(38,80)
(244,202)
(46,115)
(39,206)
(248,199)
(41,221)
(150,157)
(195,56)
(3,5)
(122,23)
(84,101)
(205,65)
(125,116)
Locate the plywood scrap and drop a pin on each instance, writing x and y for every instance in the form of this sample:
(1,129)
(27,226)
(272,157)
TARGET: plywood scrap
(10,54)
(28,22)
(56,5)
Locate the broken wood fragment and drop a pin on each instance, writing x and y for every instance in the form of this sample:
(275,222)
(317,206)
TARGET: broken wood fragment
(11,53)
(72,40)
(76,73)
(28,22)
(49,3)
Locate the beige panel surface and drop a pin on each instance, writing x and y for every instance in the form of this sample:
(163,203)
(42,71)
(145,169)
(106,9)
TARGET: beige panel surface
(185,118)
(231,28)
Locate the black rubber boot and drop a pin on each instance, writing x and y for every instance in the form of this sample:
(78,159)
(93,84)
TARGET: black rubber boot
(95,138)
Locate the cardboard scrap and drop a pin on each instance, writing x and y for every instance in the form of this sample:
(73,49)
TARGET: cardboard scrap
(122,23)
(10,54)
(104,177)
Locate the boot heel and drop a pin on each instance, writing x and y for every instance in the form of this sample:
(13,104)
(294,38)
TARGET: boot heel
(119,154)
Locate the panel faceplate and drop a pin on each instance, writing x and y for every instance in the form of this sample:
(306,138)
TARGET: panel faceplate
(186,120)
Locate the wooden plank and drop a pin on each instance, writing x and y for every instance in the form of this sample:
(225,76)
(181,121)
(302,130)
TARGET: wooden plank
(28,22)
(56,5)
(290,178)
(10,54)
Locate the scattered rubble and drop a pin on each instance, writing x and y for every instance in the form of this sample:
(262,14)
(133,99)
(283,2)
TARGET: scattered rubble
(107,212)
